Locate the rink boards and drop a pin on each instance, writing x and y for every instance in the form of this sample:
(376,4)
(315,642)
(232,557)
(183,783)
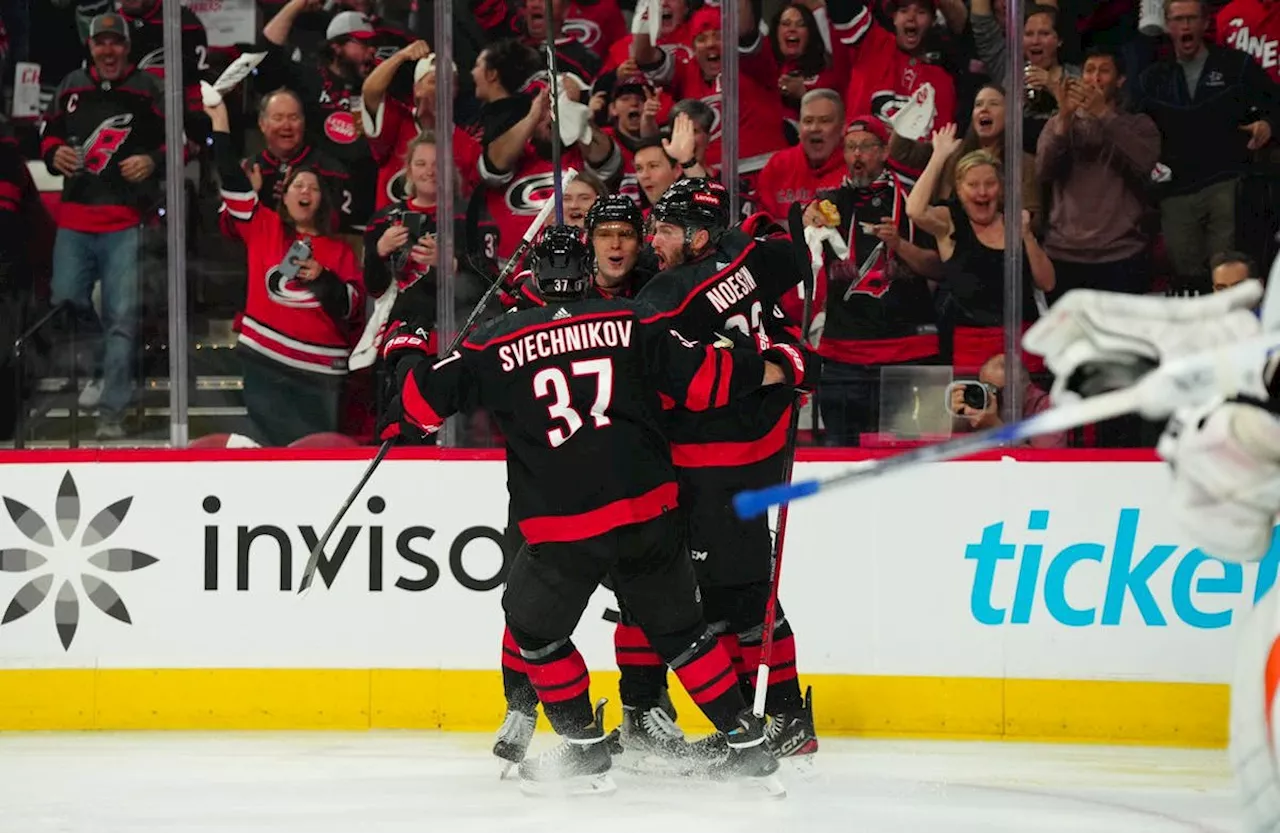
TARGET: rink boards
(1038,598)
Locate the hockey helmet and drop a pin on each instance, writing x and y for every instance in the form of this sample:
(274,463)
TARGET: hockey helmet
(694,204)
(561,264)
(615,208)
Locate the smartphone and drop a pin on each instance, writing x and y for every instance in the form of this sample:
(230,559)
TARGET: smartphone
(298,252)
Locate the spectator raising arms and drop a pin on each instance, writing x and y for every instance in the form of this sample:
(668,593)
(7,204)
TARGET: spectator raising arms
(329,86)
(970,235)
(305,297)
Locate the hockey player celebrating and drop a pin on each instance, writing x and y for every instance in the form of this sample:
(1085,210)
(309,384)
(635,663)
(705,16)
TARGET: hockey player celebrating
(574,387)
(717,280)
(1224,453)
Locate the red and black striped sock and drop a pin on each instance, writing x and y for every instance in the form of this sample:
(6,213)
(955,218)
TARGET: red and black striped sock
(783,695)
(559,676)
(519,692)
(644,674)
(705,670)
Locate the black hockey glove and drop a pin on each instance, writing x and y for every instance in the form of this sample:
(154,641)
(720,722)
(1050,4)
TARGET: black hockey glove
(801,367)
(404,348)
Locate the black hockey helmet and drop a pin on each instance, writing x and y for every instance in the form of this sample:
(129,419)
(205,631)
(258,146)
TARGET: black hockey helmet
(694,204)
(615,208)
(561,264)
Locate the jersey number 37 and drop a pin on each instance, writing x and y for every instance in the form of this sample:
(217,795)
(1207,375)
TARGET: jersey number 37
(551,382)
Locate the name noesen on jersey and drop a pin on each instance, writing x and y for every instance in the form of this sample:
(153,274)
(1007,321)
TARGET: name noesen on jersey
(571,338)
(732,289)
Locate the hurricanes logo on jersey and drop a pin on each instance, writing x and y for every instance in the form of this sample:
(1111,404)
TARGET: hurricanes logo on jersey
(528,194)
(105,141)
(586,32)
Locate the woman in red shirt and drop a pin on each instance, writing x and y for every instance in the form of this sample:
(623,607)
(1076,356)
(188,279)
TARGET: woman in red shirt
(305,298)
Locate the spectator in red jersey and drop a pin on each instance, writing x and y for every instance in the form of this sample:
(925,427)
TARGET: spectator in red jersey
(1253,26)
(887,68)
(804,61)
(391,122)
(970,235)
(797,174)
(283,126)
(516,164)
(673,38)
(573,58)
(305,297)
(1098,161)
(878,303)
(760,116)
(619,112)
(596,23)
(580,195)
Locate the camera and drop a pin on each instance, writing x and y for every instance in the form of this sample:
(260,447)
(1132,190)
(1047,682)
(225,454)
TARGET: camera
(974,394)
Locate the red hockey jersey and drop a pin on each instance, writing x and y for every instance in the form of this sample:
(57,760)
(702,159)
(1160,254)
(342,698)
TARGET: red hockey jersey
(596,24)
(285,319)
(883,77)
(1252,26)
(788,177)
(390,129)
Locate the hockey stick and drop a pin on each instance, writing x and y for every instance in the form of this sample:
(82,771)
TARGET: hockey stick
(1185,381)
(554,79)
(795,225)
(309,573)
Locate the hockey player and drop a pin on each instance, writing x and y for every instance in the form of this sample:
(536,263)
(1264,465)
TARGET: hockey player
(615,228)
(574,387)
(1225,461)
(716,281)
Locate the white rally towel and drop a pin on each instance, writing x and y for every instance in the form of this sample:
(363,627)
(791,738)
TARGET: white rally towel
(366,350)
(236,71)
(916,116)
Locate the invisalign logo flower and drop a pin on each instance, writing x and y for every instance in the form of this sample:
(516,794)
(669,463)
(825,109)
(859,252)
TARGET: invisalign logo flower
(66,605)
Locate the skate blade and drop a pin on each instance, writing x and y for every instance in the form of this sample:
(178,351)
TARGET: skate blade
(770,785)
(653,765)
(804,766)
(508,771)
(581,785)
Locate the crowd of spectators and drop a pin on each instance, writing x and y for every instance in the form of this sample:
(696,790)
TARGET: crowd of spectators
(1146,167)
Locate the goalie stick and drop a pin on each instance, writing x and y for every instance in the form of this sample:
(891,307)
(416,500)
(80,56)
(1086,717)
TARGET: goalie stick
(795,226)
(1185,381)
(313,563)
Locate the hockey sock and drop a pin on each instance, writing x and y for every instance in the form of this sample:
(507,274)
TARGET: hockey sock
(783,695)
(729,641)
(644,674)
(707,674)
(519,692)
(559,676)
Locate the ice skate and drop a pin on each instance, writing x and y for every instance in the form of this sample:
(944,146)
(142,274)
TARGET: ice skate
(791,734)
(649,741)
(578,766)
(742,756)
(514,736)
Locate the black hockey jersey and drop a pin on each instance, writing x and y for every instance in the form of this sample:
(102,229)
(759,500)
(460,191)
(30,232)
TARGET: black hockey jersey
(574,388)
(108,121)
(331,104)
(331,172)
(877,311)
(734,289)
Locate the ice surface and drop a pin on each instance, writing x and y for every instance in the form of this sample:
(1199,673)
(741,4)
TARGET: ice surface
(428,782)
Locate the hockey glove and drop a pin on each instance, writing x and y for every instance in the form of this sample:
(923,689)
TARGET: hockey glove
(392,425)
(404,348)
(1225,458)
(802,368)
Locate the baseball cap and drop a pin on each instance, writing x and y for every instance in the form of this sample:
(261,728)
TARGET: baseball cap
(349,25)
(631,84)
(929,5)
(704,19)
(108,24)
(427,64)
(870,124)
